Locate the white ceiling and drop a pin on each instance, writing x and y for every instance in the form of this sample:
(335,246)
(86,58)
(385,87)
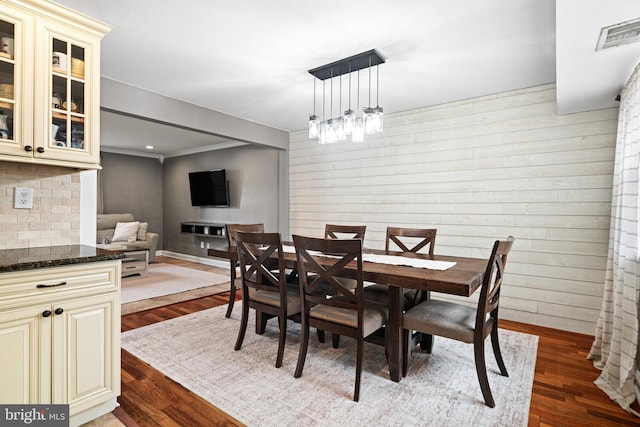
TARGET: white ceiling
(250,58)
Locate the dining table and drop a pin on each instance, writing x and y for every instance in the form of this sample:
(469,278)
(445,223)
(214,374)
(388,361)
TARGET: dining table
(462,277)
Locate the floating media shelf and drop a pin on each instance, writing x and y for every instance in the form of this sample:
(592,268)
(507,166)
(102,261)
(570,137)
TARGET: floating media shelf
(207,229)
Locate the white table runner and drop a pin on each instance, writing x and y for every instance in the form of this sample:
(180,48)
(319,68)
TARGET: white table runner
(394,260)
(412,262)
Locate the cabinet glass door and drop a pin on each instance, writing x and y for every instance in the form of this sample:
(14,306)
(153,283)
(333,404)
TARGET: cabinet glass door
(7,81)
(68,88)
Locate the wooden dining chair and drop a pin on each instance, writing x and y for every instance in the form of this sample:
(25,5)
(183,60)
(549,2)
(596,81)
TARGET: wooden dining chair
(471,325)
(342,311)
(264,288)
(335,231)
(404,240)
(233,265)
(401,240)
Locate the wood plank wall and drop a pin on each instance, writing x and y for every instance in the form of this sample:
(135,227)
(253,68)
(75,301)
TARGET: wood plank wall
(478,170)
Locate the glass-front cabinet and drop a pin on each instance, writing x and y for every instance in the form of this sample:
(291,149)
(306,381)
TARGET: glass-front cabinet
(49,85)
(13,91)
(7,80)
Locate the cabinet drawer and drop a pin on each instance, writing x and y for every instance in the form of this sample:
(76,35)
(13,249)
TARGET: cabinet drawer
(51,284)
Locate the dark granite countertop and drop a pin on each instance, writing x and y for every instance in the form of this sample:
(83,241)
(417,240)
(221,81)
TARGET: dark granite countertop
(53,256)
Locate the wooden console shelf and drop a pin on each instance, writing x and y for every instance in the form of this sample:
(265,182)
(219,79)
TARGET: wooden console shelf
(206,229)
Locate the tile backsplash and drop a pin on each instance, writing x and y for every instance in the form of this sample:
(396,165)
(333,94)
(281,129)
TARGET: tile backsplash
(54,218)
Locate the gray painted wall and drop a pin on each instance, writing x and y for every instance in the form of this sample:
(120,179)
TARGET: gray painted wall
(254,183)
(159,193)
(133,184)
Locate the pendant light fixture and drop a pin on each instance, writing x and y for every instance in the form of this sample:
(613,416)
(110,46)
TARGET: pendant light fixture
(349,114)
(358,126)
(350,125)
(378,112)
(314,122)
(323,125)
(367,113)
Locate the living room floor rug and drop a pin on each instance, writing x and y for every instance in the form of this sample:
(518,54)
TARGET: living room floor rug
(440,389)
(167,279)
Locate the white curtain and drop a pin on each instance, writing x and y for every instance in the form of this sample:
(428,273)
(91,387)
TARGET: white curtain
(615,348)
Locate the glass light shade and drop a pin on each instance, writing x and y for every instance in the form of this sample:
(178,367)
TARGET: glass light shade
(323,133)
(349,121)
(369,121)
(331,132)
(358,131)
(378,115)
(314,127)
(339,126)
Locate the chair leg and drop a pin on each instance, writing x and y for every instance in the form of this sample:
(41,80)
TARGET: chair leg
(232,299)
(320,335)
(407,343)
(426,343)
(302,354)
(359,356)
(261,322)
(335,338)
(232,295)
(243,324)
(282,323)
(481,370)
(497,353)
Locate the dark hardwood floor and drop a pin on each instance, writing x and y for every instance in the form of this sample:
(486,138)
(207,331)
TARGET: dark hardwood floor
(563,389)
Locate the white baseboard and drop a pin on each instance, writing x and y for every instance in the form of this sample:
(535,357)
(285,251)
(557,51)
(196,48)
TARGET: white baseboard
(214,262)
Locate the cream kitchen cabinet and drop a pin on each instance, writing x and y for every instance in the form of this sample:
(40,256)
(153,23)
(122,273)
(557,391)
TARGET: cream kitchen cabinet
(49,84)
(60,337)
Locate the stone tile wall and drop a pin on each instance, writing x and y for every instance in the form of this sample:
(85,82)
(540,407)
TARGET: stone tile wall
(54,218)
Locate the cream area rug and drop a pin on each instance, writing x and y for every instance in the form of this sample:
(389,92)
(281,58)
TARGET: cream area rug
(440,389)
(167,279)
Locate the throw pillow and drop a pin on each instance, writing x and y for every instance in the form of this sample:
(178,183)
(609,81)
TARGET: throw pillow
(142,230)
(125,232)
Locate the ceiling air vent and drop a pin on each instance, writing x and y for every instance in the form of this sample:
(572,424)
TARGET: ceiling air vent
(619,34)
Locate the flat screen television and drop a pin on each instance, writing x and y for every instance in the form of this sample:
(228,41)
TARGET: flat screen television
(209,188)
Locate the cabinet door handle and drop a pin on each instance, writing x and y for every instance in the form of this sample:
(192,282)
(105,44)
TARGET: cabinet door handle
(28,148)
(40,150)
(46,313)
(51,286)
(59,310)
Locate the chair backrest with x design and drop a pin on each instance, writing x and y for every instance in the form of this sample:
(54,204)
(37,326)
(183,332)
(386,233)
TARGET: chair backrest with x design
(260,256)
(319,279)
(245,228)
(333,231)
(405,239)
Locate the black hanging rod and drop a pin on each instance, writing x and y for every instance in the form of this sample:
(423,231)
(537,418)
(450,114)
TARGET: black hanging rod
(346,65)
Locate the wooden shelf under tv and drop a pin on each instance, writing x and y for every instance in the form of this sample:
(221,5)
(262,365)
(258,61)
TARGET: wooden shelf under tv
(206,229)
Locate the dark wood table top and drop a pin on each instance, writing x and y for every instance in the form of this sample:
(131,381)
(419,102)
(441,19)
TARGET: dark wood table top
(464,278)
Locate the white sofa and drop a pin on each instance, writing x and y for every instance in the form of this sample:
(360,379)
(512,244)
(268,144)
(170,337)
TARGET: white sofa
(106,225)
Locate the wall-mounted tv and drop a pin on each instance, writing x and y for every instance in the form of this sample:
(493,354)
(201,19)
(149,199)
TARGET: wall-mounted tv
(209,188)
